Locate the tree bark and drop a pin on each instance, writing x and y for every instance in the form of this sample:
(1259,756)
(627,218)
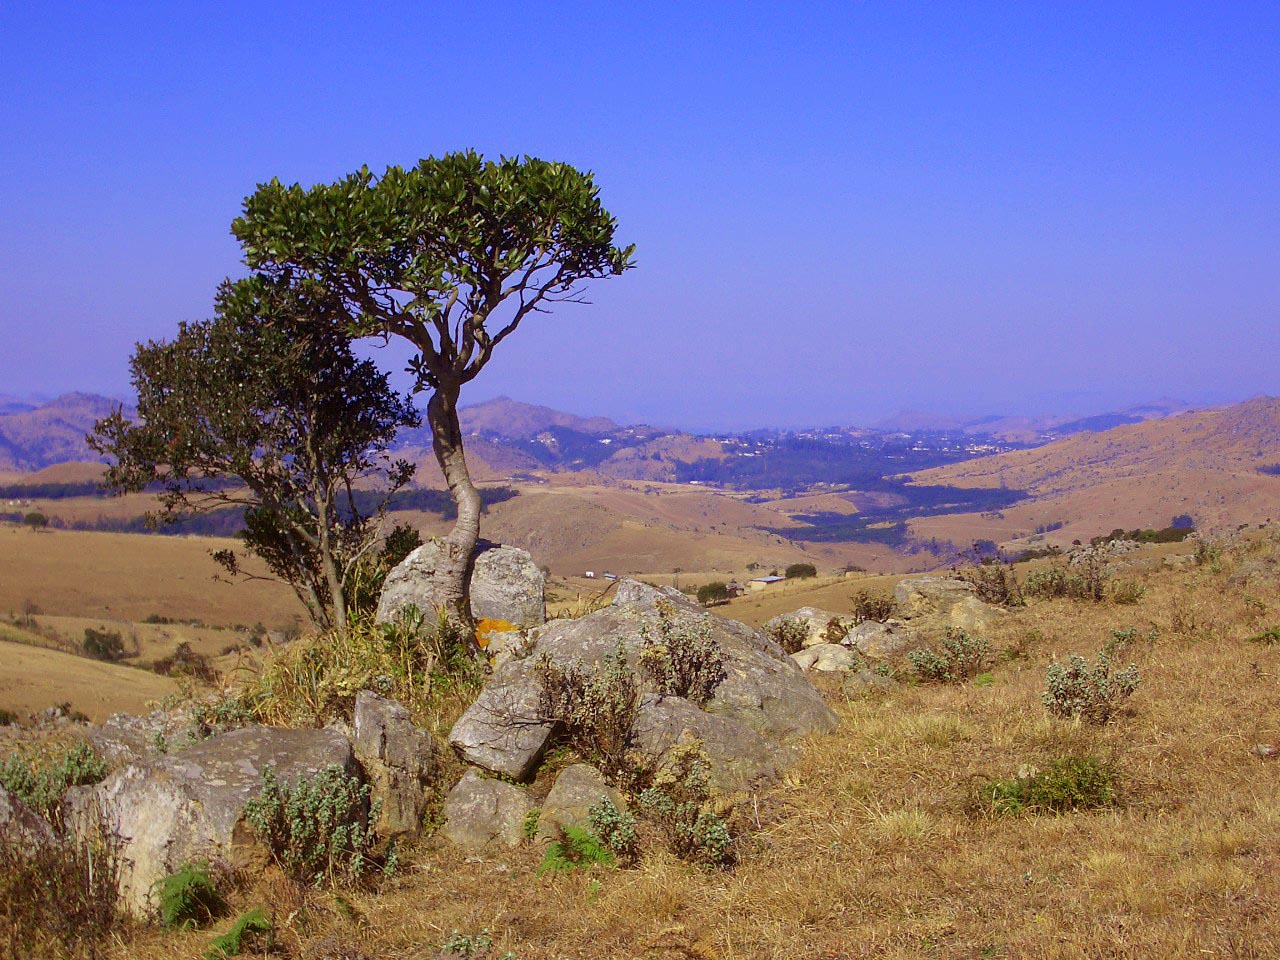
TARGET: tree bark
(453,577)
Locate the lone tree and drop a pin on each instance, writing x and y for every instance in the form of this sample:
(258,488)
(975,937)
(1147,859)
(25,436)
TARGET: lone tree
(452,255)
(266,409)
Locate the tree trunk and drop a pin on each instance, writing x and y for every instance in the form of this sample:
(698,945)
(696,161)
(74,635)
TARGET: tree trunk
(453,576)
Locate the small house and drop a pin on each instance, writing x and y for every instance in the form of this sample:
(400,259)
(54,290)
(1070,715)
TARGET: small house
(763,583)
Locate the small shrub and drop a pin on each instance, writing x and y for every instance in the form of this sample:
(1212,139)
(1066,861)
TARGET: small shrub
(960,658)
(105,645)
(677,802)
(576,847)
(1092,692)
(615,828)
(529,827)
(7,717)
(188,898)
(1086,580)
(871,606)
(185,662)
(1127,592)
(800,571)
(1068,783)
(42,785)
(473,946)
(683,662)
(61,899)
(790,635)
(596,710)
(994,582)
(318,830)
(1269,636)
(252,930)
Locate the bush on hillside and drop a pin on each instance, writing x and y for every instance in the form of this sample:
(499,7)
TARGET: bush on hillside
(596,710)
(678,802)
(105,645)
(712,593)
(318,830)
(1092,692)
(960,657)
(42,784)
(872,606)
(1066,784)
(682,661)
(790,635)
(801,571)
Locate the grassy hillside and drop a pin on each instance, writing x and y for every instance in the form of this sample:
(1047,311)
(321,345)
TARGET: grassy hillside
(879,842)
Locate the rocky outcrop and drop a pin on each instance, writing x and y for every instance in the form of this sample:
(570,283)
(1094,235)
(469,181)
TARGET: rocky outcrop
(21,825)
(880,641)
(827,658)
(763,690)
(944,602)
(189,806)
(505,585)
(821,626)
(740,757)
(399,760)
(577,789)
(480,812)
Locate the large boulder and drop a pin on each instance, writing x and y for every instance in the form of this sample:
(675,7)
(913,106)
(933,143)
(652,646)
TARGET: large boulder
(944,602)
(22,826)
(577,789)
(820,626)
(880,641)
(399,760)
(189,806)
(504,732)
(480,813)
(505,585)
(827,658)
(740,757)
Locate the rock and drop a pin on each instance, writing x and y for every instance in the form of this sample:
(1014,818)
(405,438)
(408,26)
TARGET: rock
(480,813)
(828,657)
(21,825)
(634,593)
(1267,751)
(945,602)
(503,731)
(864,683)
(881,641)
(399,760)
(505,585)
(123,738)
(740,757)
(189,806)
(577,789)
(822,626)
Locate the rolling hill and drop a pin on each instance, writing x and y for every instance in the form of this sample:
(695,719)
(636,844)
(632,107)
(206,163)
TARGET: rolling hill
(1211,464)
(51,433)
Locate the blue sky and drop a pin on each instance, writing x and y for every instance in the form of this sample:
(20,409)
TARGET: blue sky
(842,210)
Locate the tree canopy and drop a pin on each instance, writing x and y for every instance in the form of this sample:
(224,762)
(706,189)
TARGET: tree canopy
(266,407)
(453,255)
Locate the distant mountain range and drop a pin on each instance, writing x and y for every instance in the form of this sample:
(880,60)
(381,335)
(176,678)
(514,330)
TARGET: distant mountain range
(34,436)
(1028,430)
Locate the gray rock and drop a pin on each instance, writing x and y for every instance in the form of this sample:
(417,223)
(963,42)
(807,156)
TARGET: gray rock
(577,789)
(190,806)
(480,813)
(822,626)
(630,592)
(827,657)
(880,641)
(399,759)
(740,757)
(505,585)
(124,738)
(21,825)
(503,731)
(945,602)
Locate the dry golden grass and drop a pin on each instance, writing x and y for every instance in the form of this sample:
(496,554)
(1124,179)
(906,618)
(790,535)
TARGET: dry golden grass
(32,678)
(874,846)
(129,577)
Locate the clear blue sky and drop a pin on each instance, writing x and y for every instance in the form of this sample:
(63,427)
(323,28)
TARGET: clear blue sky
(842,210)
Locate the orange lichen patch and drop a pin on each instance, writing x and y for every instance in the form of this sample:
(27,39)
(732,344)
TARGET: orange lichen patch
(487,625)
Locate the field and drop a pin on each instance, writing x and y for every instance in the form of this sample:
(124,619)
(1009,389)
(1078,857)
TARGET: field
(33,678)
(877,844)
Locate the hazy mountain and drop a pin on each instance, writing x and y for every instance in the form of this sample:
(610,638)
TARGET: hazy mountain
(52,432)
(509,419)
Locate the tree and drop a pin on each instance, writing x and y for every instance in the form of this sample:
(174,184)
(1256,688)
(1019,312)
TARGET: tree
(801,570)
(36,520)
(265,408)
(452,255)
(711,593)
